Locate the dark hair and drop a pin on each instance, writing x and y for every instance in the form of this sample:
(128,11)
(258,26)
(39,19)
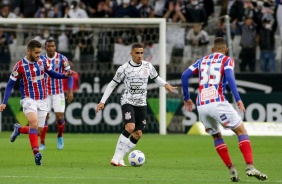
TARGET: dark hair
(137,45)
(32,44)
(49,41)
(219,41)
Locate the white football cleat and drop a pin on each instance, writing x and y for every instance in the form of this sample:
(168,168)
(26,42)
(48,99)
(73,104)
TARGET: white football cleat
(115,162)
(121,162)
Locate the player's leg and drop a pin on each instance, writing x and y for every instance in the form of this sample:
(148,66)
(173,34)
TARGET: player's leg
(60,126)
(42,113)
(59,109)
(229,118)
(246,150)
(208,116)
(140,125)
(222,151)
(129,120)
(33,135)
(18,129)
(137,128)
(43,132)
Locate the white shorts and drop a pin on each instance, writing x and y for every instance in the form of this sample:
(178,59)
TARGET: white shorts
(213,114)
(38,106)
(57,102)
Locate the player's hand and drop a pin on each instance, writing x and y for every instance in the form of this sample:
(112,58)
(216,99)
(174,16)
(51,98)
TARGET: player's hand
(170,88)
(69,96)
(100,106)
(70,73)
(188,105)
(240,106)
(2,107)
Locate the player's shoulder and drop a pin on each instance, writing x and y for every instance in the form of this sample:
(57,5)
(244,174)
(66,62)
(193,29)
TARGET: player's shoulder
(146,63)
(19,64)
(62,56)
(43,57)
(125,65)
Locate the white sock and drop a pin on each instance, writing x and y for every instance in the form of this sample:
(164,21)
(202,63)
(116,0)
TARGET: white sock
(120,147)
(129,147)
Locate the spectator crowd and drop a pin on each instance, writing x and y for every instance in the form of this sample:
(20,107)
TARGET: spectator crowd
(257,22)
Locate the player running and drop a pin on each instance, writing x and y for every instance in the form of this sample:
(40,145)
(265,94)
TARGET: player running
(134,74)
(31,73)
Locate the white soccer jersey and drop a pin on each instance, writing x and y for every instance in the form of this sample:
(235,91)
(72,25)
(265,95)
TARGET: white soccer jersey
(135,78)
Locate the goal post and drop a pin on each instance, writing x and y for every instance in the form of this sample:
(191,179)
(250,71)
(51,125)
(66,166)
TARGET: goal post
(161,22)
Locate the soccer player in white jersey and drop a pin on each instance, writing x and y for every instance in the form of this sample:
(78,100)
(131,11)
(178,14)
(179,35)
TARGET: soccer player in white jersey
(56,96)
(134,74)
(214,71)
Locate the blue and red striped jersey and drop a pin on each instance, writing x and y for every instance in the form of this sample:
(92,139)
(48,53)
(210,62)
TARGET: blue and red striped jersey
(212,81)
(32,78)
(60,64)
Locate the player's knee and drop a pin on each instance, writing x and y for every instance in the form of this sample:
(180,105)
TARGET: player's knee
(129,127)
(40,129)
(240,130)
(138,134)
(217,136)
(60,116)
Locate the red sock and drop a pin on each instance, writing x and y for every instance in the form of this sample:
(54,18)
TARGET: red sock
(24,129)
(222,151)
(43,135)
(61,127)
(33,139)
(246,148)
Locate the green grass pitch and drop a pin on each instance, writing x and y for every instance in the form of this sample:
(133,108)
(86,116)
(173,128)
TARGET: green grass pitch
(169,159)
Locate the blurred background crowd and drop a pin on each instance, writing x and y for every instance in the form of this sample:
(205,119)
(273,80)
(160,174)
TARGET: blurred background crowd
(255,25)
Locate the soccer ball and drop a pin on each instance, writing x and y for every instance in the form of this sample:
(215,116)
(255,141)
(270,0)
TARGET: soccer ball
(136,158)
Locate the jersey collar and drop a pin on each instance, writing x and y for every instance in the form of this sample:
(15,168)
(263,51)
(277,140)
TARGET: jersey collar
(52,57)
(132,63)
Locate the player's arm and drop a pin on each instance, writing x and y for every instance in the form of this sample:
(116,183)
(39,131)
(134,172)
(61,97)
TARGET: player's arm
(67,67)
(155,76)
(7,94)
(118,78)
(163,83)
(232,84)
(69,96)
(188,103)
(57,75)
(111,86)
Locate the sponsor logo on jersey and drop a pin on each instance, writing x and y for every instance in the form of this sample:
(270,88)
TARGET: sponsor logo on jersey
(136,88)
(36,78)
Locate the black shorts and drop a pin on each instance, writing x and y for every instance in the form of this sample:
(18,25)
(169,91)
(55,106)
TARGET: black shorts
(134,114)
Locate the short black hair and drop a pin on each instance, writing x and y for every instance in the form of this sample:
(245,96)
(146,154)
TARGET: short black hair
(137,45)
(49,41)
(32,44)
(219,41)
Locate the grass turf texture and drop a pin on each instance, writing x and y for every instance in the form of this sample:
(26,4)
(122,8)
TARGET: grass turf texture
(169,159)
